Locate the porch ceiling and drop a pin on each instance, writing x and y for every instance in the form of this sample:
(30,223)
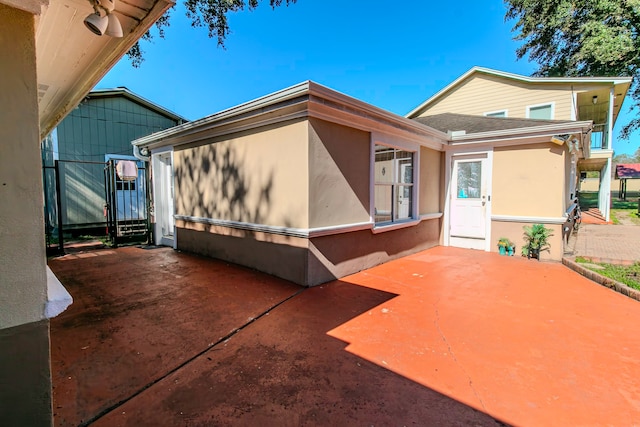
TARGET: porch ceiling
(598,111)
(71,59)
(593,164)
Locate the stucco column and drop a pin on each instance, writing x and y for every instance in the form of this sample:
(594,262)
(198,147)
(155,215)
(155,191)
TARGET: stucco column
(25,374)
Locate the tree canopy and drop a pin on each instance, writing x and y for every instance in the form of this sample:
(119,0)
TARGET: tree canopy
(581,38)
(211,14)
(627,158)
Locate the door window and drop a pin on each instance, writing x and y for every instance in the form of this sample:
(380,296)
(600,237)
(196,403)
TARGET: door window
(469,180)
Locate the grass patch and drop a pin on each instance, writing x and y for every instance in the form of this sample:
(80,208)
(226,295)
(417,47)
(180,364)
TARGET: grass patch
(618,214)
(627,274)
(624,204)
(590,200)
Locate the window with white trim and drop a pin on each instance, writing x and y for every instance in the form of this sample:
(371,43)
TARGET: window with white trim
(394,182)
(501,113)
(542,111)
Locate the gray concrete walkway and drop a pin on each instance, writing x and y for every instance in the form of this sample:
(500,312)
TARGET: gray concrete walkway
(616,244)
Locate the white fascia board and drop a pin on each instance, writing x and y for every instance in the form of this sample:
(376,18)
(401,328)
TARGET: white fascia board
(520,136)
(552,129)
(224,116)
(345,102)
(527,79)
(321,102)
(518,77)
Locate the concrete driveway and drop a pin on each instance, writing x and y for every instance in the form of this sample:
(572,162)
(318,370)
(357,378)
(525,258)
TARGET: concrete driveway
(444,337)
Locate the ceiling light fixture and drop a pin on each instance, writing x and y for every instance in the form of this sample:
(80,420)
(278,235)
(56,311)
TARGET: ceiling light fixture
(103,21)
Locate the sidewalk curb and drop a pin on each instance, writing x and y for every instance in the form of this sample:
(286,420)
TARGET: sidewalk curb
(602,280)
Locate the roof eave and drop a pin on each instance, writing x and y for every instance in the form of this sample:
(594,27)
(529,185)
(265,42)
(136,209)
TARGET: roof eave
(550,129)
(611,80)
(322,102)
(137,98)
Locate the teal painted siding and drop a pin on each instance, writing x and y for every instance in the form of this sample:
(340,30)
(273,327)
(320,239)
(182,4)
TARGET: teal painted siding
(98,126)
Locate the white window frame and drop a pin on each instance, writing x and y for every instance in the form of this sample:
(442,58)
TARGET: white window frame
(490,113)
(544,104)
(154,157)
(399,144)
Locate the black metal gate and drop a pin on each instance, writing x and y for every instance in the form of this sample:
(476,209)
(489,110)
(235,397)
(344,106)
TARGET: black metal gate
(126,199)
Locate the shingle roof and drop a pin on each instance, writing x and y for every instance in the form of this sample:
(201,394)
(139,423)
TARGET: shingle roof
(451,122)
(628,171)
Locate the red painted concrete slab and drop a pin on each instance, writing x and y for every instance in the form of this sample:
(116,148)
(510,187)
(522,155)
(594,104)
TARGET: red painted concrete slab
(443,337)
(285,370)
(138,314)
(528,343)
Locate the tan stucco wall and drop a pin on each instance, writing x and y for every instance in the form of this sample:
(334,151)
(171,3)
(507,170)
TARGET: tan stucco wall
(281,256)
(336,171)
(483,93)
(528,180)
(339,255)
(515,232)
(431,184)
(22,250)
(339,159)
(257,177)
(25,370)
(593,184)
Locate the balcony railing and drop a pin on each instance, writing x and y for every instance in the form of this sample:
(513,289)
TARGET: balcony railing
(600,137)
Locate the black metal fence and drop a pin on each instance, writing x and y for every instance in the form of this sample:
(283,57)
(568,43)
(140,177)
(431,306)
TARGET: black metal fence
(88,197)
(126,205)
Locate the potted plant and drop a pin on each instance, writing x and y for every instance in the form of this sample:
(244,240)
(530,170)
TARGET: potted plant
(536,239)
(506,246)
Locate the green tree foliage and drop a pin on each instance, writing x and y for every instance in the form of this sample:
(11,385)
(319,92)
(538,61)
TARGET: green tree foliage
(627,158)
(211,14)
(581,38)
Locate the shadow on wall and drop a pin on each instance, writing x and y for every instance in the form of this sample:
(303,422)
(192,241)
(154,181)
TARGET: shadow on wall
(82,193)
(215,181)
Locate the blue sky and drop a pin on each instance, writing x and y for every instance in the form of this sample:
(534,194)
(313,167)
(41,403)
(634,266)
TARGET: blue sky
(390,56)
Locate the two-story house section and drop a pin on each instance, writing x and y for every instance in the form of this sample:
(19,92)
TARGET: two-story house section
(485,92)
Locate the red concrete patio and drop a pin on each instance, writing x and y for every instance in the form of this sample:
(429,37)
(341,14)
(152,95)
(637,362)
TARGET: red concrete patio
(444,337)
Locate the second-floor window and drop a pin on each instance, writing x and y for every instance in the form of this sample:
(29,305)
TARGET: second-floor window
(541,111)
(500,113)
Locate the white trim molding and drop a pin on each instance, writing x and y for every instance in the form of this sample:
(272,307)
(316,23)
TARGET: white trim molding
(544,104)
(307,233)
(304,233)
(530,219)
(496,112)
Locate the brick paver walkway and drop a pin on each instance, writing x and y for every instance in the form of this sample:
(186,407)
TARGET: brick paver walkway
(619,244)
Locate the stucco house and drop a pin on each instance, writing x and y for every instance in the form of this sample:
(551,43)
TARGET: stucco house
(486,92)
(310,184)
(49,61)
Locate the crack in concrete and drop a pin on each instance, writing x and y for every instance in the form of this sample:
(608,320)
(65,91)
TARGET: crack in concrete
(455,359)
(209,348)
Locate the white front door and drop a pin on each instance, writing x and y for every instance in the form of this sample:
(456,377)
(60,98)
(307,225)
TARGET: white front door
(164,208)
(468,202)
